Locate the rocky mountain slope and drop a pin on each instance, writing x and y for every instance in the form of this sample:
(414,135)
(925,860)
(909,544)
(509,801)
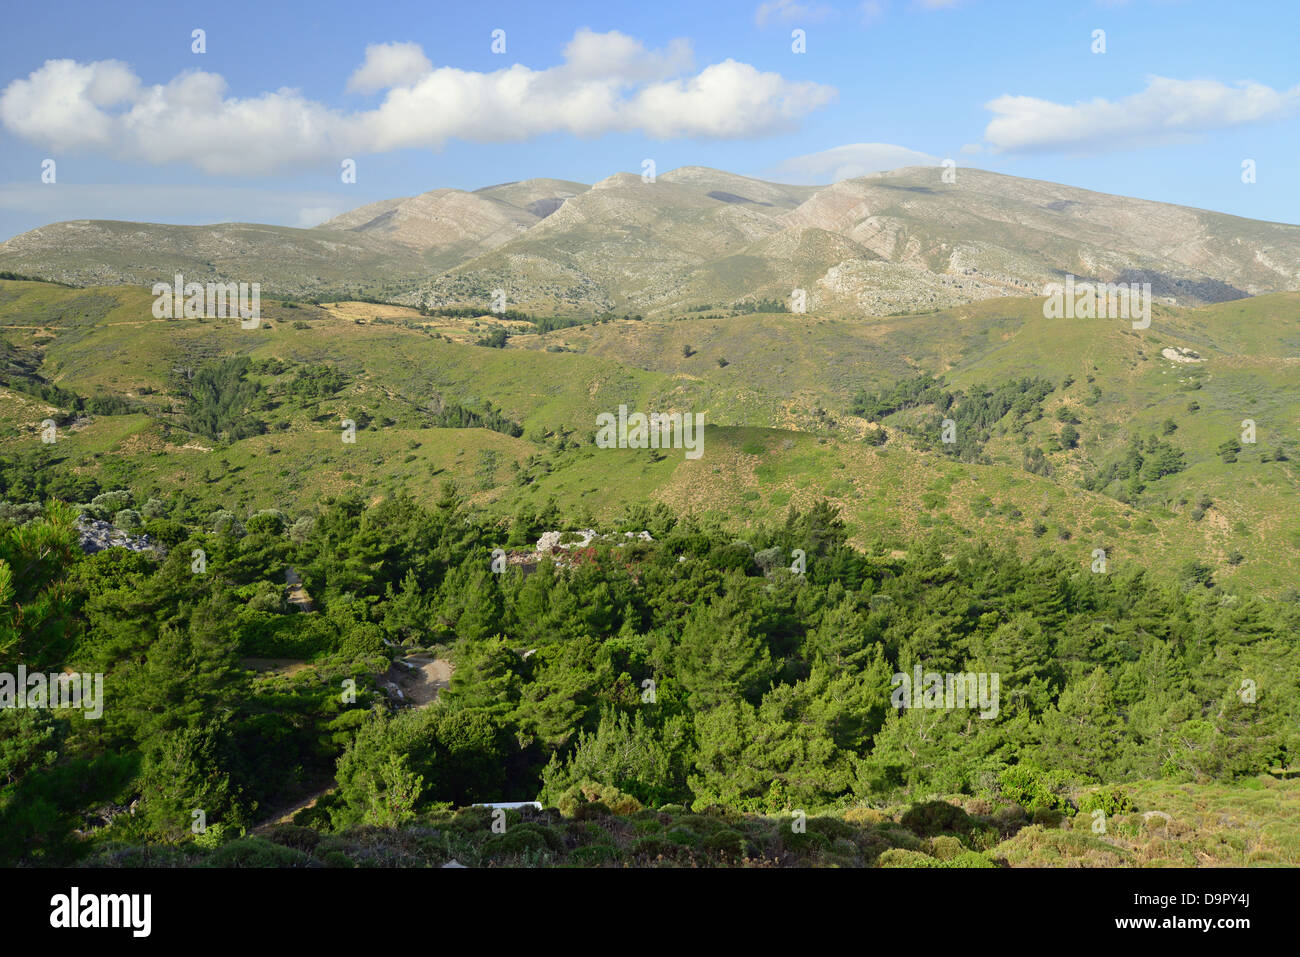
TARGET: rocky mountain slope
(451,225)
(697,238)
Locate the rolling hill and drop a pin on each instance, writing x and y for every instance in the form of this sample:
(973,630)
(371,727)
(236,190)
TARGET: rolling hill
(776,391)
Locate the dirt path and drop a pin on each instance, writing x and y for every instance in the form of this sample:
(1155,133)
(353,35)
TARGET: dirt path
(419,684)
(285,815)
(281,666)
(297,594)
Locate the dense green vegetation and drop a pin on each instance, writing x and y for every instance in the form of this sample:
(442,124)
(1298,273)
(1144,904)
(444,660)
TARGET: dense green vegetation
(496,339)
(456,416)
(972,413)
(689,684)
(220,399)
(695,670)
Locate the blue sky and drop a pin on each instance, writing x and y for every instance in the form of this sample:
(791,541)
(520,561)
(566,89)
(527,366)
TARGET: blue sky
(255,129)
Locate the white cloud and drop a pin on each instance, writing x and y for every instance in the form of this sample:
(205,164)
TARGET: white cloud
(388,65)
(594,55)
(726,99)
(66,108)
(608,83)
(788,11)
(847,162)
(1165,111)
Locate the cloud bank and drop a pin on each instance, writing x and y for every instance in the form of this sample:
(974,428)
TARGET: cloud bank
(1166,111)
(607,83)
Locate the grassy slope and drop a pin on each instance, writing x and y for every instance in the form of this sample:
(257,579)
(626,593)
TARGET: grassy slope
(1256,823)
(766,446)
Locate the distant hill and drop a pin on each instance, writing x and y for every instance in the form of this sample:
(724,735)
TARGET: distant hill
(286,261)
(695,237)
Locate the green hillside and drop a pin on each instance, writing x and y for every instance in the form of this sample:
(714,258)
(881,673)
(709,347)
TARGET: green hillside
(1065,506)
(779,431)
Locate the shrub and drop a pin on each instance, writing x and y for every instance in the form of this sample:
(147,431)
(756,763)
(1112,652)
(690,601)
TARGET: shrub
(257,852)
(900,837)
(214,836)
(1033,788)
(945,847)
(937,817)
(899,857)
(515,841)
(225,523)
(313,817)
(969,859)
(865,815)
(727,842)
(1048,817)
(808,842)
(683,836)
(593,855)
(109,503)
(832,827)
(590,810)
(1110,800)
(154,508)
(292,835)
(653,847)
(269,521)
(591,799)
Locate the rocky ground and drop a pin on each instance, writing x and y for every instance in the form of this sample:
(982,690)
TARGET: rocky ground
(97,536)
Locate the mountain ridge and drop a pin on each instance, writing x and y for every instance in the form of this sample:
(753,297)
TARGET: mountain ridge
(693,237)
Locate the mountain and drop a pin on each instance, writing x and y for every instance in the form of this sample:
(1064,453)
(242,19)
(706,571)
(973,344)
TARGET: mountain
(698,239)
(451,225)
(286,261)
(889,242)
(623,244)
(1001,233)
